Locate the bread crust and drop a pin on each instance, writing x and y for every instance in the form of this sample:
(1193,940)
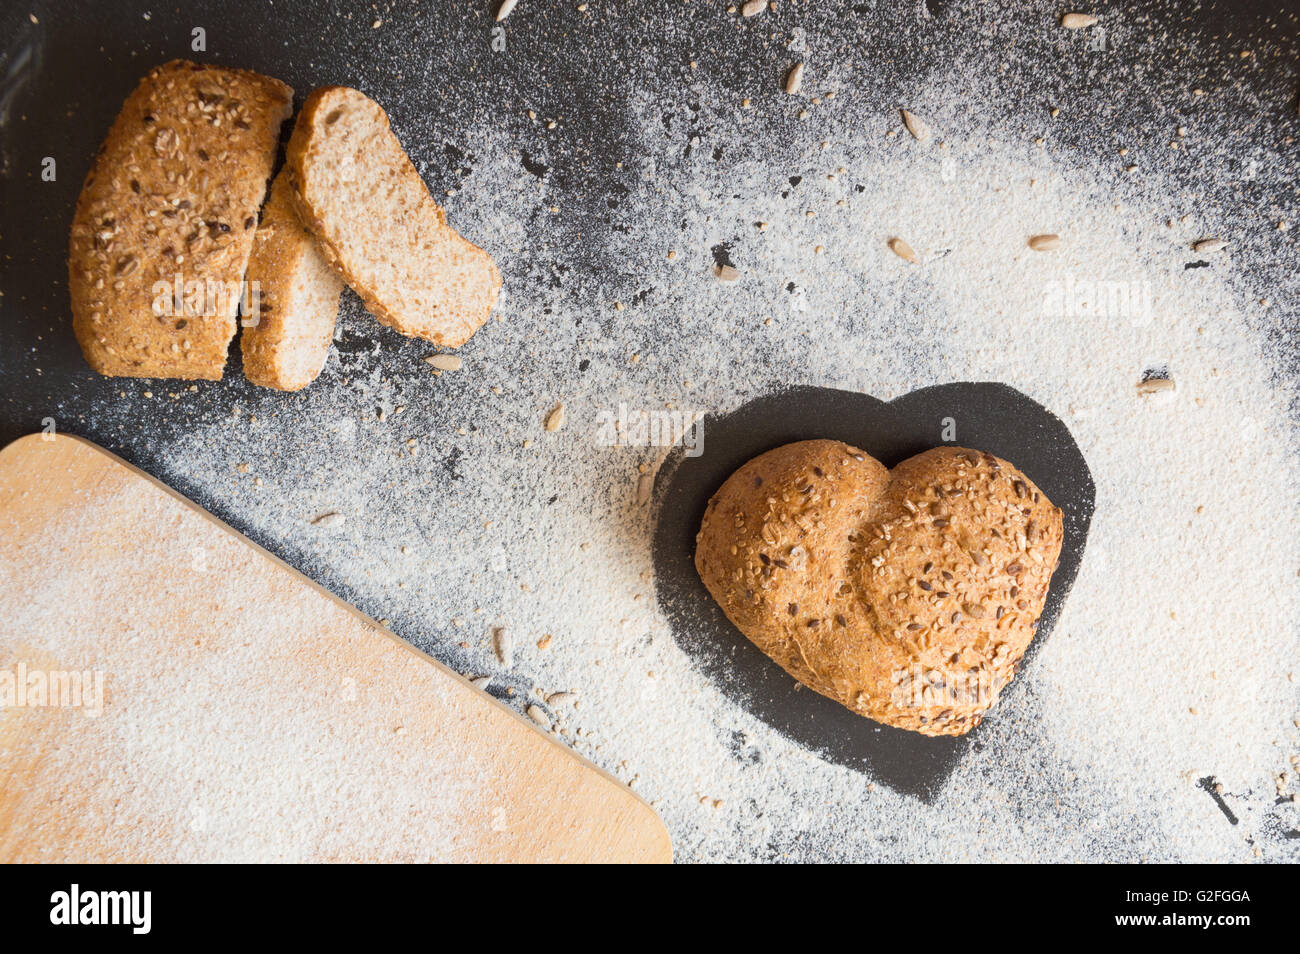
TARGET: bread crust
(358,193)
(171,202)
(293,296)
(907,596)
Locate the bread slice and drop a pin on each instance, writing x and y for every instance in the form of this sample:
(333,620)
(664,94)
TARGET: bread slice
(293,296)
(358,193)
(165,221)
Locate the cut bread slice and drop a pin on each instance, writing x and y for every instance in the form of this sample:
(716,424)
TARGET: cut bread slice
(164,224)
(359,194)
(293,297)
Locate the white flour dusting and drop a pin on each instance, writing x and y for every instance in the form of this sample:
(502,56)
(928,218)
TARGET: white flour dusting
(1176,657)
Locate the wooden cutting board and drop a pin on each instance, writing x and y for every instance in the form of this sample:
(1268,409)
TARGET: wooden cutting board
(245,712)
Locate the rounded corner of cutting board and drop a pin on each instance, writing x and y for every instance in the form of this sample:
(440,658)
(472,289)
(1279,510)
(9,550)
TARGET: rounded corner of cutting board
(19,445)
(663,851)
(41,441)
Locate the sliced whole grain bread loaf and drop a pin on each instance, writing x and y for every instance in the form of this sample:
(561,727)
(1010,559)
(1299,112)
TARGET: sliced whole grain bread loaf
(165,221)
(293,297)
(359,194)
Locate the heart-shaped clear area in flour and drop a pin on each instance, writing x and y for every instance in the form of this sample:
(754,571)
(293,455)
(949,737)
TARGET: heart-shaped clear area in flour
(983,416)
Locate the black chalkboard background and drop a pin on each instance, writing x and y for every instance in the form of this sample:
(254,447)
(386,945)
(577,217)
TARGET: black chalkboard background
(66,68)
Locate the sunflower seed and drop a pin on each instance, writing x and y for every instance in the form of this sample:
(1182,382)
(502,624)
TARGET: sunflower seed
(445,362)
(794,79)
(555,420)
(503,11)
(481,682)
(973,610)
(561,698)
(503,644)
(916,126)
(1208,246)
(1156,385)
(903,251)
(1045,243)
(1078,21)
(167,143)
(753,8)
(536,713)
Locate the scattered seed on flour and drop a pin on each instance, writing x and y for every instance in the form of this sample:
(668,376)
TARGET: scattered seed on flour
(916,126)
(904,251)
(503,644)
(1078,21)
(555,419)
(794,79)
(444,362)
(1156,385)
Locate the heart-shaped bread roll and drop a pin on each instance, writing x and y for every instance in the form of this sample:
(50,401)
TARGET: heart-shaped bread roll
(908,596)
